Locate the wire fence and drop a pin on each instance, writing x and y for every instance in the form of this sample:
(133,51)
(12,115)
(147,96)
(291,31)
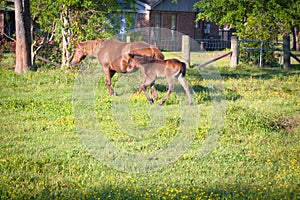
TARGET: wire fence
(202,44)
(213,44)
(261,51)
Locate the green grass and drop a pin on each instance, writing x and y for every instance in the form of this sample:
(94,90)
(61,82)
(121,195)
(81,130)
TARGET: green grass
(257,154)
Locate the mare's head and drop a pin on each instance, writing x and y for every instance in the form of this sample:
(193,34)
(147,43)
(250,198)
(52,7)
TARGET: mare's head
(82,49)
(79,53)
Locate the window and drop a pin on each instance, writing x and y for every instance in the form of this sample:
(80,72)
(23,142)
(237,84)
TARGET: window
(207,28)
(173,22)
(197,23)
(157,27)
(158,20)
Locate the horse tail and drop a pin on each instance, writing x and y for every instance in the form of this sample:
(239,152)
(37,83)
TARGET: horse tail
(183,69)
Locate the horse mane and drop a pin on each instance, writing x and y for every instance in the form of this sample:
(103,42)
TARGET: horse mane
(142,59)
(90,47)
(169,62)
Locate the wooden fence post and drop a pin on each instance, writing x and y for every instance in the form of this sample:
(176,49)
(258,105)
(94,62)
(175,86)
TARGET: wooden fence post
(185,52)
(234,59)
(128,38)
(286,52)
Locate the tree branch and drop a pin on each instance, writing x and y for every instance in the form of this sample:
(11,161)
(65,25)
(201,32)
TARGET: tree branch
(48,61)
(9,37)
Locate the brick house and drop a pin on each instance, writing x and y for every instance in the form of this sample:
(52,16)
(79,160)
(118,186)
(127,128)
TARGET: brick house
(180,17)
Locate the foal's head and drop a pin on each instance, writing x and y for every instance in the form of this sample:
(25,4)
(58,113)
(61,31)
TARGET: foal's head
(132,63)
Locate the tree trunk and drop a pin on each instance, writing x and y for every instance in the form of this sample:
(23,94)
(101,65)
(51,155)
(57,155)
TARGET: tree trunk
(286,52)
(297,39)
(65,38)
(23,38)
(296,42)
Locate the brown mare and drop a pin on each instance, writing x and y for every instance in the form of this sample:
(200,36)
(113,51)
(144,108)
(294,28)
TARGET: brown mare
(152,68)
(113,55)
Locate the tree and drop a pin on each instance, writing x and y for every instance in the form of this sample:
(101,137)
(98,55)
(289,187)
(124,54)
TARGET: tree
(67,21)
(2,4)
(296,38)
(255,19)
(23,37)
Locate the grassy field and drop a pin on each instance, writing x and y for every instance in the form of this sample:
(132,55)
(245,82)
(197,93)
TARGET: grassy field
(256,154)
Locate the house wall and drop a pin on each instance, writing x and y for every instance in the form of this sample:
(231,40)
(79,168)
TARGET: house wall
(180,6)
(185,22)
(143,20)
(185,19)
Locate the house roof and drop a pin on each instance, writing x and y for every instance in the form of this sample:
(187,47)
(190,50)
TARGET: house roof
(169,5)
(150,2)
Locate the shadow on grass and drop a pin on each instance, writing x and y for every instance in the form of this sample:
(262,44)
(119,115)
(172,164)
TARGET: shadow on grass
(244,72)
(259,73)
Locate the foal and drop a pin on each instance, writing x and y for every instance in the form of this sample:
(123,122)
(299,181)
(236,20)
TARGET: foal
(152,68)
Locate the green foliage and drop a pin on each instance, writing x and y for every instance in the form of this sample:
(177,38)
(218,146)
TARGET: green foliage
(76,20)
(256,20)
(253,20)
(92,19)
(257,154)
(252,57)
(2,5)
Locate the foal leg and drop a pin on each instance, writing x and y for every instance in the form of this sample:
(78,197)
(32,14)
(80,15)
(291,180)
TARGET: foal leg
(185,86)
(145,82)
(140,90)
(143,87)
(153,91)
(171,88)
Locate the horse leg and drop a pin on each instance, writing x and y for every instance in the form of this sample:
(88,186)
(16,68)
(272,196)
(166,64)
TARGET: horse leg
(109,74)
(143,87)
(153,91)
(144,79)
(171,88)
(140,90)
(185,86)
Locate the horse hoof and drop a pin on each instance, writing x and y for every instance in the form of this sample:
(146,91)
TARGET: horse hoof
(151,101)
(161,103)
